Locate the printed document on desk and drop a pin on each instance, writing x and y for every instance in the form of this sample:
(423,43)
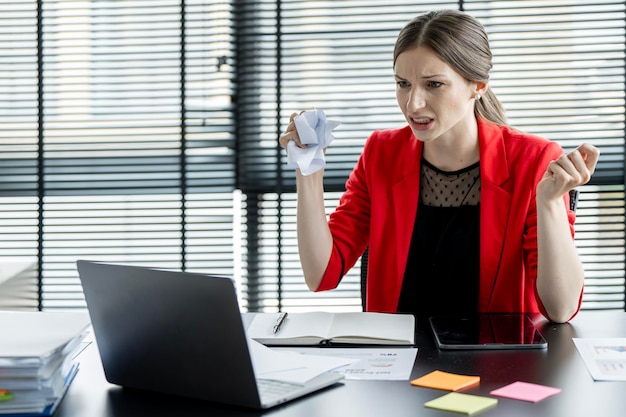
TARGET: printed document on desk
(291,367)
(391,364)
(323,328)
(605,358)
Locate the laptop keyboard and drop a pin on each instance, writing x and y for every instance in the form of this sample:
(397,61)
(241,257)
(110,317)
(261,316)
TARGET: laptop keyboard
(270,389)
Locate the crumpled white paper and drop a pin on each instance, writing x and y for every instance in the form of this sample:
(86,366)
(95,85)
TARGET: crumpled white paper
(315,131)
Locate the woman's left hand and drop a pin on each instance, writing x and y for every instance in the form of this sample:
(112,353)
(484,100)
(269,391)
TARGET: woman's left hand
(569,171)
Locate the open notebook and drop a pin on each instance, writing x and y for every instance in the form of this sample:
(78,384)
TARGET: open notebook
(178,333)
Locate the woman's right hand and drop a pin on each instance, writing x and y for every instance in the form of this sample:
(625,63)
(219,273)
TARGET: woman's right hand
(291,134)
(315,241)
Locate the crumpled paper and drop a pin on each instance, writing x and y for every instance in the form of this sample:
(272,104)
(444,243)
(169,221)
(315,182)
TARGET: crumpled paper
(315,131)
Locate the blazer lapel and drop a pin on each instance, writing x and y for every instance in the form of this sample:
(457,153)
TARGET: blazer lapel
(406,196)
(405,208)
(495,208)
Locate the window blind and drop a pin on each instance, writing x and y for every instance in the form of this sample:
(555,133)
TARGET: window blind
(144,132)
(118,137)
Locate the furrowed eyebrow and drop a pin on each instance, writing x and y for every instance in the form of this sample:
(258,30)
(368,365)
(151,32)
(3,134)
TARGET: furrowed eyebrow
(425,77)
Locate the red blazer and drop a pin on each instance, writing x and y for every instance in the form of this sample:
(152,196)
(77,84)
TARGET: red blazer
(379,206)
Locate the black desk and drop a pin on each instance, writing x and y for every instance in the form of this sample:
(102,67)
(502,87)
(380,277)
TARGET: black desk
(560,366)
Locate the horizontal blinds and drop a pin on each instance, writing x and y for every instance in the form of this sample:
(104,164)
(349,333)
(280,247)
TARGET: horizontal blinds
(558,70)
(212,221)
(336,57)
(136,158)
(280,285)
(120,139)
(19,204)
(600,241)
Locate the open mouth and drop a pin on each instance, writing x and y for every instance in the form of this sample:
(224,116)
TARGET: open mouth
(422,123)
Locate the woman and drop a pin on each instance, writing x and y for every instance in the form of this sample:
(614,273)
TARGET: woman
(460,212)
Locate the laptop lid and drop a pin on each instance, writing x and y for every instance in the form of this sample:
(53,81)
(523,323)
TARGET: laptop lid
(173,332)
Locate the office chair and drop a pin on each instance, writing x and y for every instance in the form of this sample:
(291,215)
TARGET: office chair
(573,204)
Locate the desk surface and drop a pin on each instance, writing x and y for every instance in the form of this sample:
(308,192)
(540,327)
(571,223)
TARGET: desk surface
(560,366)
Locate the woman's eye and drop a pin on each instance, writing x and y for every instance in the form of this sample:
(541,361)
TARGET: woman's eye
(402,84)
(434,84)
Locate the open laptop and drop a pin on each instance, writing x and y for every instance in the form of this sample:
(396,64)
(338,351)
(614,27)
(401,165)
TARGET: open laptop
(178,333)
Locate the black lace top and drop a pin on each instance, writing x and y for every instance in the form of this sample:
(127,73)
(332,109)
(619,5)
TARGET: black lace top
(443,267)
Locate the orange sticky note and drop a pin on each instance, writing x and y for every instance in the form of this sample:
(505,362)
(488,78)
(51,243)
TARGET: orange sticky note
(446,381)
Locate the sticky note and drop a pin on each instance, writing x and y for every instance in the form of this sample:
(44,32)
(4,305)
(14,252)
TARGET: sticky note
(446,381)
(5,395)
(525,391)
(462,403)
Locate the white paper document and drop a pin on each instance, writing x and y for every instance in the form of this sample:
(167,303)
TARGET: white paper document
(289,366)
(605,358)
(392,364)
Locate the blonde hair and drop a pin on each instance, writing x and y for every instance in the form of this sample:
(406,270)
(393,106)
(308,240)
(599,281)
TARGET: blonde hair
(461,41)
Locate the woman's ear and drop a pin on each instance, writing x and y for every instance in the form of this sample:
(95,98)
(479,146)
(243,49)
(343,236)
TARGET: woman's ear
(481,89)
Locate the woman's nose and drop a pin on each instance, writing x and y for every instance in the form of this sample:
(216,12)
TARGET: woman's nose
(415,101)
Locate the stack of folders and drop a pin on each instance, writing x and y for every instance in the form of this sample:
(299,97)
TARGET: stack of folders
(38,359)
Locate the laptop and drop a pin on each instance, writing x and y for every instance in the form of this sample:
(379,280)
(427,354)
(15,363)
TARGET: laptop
(178,333)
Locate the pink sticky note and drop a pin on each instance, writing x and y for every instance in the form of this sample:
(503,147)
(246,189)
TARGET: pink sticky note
(526,391)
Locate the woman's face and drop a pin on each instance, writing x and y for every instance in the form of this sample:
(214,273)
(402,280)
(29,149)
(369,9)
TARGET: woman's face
(437,102)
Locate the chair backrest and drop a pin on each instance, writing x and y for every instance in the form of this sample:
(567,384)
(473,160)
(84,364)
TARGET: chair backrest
(573,199)
(364,276)
(573,204)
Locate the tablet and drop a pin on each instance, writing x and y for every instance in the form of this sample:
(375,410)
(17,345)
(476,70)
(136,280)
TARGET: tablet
(486,331)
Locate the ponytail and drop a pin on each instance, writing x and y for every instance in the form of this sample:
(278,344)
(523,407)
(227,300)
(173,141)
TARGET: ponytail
(490,108)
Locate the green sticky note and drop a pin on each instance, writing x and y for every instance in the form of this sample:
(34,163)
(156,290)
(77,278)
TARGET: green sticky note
(5,395)
(462,403)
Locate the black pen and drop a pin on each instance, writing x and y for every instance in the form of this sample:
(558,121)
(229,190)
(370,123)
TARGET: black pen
(279,322)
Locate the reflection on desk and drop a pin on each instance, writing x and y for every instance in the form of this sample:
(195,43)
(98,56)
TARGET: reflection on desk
(558,366)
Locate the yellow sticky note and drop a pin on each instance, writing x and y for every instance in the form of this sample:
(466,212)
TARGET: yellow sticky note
(462,403)
(446,381)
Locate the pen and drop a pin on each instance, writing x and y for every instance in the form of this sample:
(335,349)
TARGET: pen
(279,322)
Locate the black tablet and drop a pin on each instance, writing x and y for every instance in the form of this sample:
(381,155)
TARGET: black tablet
(486,331)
